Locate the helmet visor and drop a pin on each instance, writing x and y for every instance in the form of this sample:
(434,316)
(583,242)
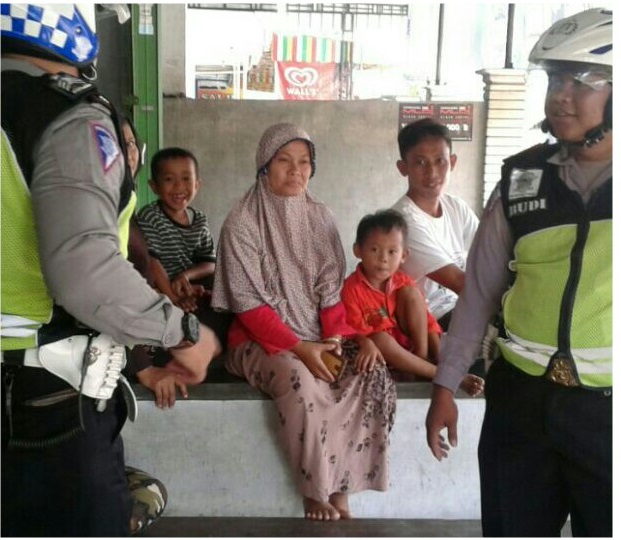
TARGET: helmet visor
(583,78)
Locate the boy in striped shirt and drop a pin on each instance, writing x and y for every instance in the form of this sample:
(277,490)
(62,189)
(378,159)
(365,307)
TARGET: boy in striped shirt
(177,234)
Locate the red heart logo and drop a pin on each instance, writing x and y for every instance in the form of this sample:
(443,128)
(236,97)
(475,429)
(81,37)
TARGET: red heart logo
(301,76)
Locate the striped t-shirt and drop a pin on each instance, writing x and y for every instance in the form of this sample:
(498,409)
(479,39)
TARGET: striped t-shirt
(178,247)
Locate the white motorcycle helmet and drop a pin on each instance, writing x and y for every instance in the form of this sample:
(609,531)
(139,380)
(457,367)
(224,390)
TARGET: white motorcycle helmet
(582,45)
(585,38)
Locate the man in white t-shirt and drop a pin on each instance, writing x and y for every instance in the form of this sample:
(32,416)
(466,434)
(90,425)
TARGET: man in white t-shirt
(441,226)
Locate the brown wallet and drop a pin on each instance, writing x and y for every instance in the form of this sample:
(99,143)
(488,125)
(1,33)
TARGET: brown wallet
(334,363)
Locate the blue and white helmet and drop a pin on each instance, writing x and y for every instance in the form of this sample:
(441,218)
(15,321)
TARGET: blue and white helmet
(65,32)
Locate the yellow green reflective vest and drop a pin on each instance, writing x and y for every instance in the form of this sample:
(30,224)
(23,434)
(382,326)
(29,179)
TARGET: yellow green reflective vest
(559,305)
(25,301)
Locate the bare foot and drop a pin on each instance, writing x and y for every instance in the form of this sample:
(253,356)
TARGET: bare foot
(472,384)
(340,501)
(320,511)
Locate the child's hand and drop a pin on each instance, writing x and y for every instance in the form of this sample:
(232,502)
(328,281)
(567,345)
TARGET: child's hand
(181,286)
(187,304)
(186,294)
(163,384)
(473,385)
(368,355)
(198,291)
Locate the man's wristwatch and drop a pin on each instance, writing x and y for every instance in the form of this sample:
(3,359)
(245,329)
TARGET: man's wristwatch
(191,331)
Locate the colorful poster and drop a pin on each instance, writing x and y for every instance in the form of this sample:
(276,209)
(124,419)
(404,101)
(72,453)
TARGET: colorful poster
(308,81)
(260,78)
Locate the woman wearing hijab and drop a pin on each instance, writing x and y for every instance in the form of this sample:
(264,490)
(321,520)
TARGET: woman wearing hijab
(280,270)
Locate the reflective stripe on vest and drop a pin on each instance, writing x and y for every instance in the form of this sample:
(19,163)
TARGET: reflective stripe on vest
(533,358)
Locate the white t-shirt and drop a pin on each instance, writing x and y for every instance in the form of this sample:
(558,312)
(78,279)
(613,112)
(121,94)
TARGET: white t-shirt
(435,243)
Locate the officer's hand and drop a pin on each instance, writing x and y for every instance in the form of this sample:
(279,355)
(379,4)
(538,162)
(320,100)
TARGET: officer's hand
(191,363)
(442,414)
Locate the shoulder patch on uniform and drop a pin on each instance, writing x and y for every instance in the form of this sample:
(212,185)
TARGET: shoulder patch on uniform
(524,183)
(109,150)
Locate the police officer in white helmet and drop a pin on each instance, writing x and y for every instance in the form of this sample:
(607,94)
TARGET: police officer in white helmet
(543,255)
(70,300)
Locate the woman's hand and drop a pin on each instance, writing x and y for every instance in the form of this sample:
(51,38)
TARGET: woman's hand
(310,353)
(338,341)
(368,355)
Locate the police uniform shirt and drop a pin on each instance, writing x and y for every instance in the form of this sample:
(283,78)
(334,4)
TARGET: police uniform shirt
(75,189)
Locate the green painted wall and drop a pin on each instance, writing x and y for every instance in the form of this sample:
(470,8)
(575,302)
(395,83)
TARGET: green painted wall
(147,94)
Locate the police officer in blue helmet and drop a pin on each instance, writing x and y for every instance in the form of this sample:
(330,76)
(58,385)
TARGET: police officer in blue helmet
(70,300)
(543,256)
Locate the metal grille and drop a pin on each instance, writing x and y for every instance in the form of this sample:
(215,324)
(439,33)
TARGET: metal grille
(399,10)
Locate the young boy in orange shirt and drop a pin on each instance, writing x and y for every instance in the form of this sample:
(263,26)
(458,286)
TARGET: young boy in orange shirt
(384,304)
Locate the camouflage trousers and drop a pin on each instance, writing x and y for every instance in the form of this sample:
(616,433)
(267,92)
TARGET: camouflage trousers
(148,498)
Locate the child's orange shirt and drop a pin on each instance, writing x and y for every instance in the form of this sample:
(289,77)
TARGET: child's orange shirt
(370,310)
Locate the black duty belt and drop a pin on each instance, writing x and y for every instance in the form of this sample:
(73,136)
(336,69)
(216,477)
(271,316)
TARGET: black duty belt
(13,358)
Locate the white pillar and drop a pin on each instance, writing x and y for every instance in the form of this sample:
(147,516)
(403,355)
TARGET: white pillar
(505,95)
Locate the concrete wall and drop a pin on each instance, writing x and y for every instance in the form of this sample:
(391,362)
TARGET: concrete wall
(221,458)
(356,145)
(172,48)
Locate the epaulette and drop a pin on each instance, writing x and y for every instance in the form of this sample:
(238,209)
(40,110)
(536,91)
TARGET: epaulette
(72,87)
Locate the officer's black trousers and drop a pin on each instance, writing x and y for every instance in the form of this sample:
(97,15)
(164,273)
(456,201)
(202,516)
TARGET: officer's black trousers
(74,488)
(545,453)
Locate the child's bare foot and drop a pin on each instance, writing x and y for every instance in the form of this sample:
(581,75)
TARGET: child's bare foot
(340,501)
(320,511)
(472,384)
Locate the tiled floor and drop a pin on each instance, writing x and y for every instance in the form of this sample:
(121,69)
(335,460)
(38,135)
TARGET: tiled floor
(298,527)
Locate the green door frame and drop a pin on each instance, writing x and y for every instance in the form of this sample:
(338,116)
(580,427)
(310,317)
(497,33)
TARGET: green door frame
(147,106)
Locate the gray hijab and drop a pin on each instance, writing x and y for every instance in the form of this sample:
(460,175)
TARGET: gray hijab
(274,138)
(283,252)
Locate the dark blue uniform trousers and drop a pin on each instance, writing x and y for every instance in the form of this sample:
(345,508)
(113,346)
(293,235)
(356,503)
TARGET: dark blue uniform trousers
(545,453)
(74,488)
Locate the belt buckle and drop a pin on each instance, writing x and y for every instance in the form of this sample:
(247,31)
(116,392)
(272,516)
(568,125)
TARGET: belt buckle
(561,371)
